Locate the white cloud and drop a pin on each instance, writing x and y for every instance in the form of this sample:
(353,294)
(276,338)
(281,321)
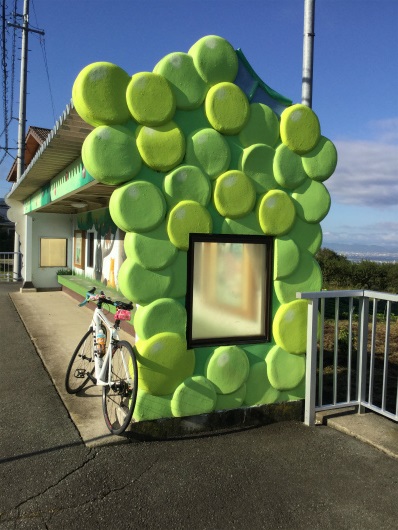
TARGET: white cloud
(381,234)
(385,131)
(367,170)
(366,174)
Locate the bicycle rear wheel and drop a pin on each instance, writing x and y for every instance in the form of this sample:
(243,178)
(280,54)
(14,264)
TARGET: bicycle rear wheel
(81,364)
(119,396)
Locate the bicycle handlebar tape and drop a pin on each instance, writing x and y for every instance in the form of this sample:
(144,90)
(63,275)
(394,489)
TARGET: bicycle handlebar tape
(99,94)
(163,147)
(163,363)
(188,87)
(110,154)
(227,108)
(185,218)
(234,194)
(215,59)
(285,370)
(300,130)
(138,206)
(208,150)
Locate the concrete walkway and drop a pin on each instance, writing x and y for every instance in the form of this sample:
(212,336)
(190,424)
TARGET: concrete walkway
(279,476)
(55,324)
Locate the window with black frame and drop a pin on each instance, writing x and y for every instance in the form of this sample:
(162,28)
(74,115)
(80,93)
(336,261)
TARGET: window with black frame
(229,289)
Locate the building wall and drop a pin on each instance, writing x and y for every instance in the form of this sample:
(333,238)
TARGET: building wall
(103,247)
(208,148)
(53,226)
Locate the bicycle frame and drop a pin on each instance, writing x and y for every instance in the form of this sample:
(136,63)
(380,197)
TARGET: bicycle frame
(103,364)
(115,370)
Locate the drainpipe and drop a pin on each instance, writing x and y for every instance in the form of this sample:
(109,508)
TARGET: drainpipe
(308,52)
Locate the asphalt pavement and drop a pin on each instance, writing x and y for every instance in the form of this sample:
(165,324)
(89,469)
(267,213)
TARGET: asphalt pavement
(54,475)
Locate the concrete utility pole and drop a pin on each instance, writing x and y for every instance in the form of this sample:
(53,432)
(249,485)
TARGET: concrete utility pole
(22,87)
(26,225)
(308,52)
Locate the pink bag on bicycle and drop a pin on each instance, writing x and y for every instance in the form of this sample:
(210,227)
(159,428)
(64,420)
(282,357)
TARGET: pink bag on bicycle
(122,314)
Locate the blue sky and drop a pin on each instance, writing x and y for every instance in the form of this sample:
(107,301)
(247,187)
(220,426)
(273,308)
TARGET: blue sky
(355,91)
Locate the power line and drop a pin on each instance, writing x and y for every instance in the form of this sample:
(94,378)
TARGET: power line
(43,49)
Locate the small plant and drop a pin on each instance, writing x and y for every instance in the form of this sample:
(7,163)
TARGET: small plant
(344,340)
(64,272)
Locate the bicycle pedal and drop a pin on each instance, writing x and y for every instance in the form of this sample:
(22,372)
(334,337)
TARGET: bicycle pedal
(92,378)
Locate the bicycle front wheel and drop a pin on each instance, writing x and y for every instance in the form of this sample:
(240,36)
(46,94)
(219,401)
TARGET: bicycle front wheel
(81,364)
(120,394)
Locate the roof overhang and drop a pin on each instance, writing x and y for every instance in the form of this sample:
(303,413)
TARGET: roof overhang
(61,148)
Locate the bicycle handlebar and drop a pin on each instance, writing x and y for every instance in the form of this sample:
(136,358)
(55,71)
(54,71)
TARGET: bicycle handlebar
(103,299)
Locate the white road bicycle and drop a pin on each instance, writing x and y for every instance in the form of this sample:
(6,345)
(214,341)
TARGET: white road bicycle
(105,360)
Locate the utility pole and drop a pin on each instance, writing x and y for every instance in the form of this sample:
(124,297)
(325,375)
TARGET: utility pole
(22,87)
(308,52)
(25,229)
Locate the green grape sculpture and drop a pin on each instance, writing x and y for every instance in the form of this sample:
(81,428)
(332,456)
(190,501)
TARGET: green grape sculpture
(202,145)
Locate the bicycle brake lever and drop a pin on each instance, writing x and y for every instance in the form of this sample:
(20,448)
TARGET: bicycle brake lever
(89,296)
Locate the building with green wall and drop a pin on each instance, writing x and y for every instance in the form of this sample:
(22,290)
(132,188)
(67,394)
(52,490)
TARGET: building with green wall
(196,191)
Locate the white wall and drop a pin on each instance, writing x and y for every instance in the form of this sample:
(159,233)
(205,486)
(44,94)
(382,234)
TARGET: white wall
(49,225)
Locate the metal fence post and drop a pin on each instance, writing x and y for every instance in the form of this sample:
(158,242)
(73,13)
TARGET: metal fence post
(311,361)
(363,351)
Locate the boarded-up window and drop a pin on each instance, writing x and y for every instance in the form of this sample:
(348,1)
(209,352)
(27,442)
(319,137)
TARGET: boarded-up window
(53,252)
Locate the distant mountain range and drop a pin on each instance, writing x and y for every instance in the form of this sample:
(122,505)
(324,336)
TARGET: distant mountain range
(356,252)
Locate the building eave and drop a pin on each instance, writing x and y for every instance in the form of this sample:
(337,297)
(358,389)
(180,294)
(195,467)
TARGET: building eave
(61,147)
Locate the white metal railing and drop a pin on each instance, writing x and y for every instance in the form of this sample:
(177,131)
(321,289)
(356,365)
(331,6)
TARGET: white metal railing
(343,374)
(10,266)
